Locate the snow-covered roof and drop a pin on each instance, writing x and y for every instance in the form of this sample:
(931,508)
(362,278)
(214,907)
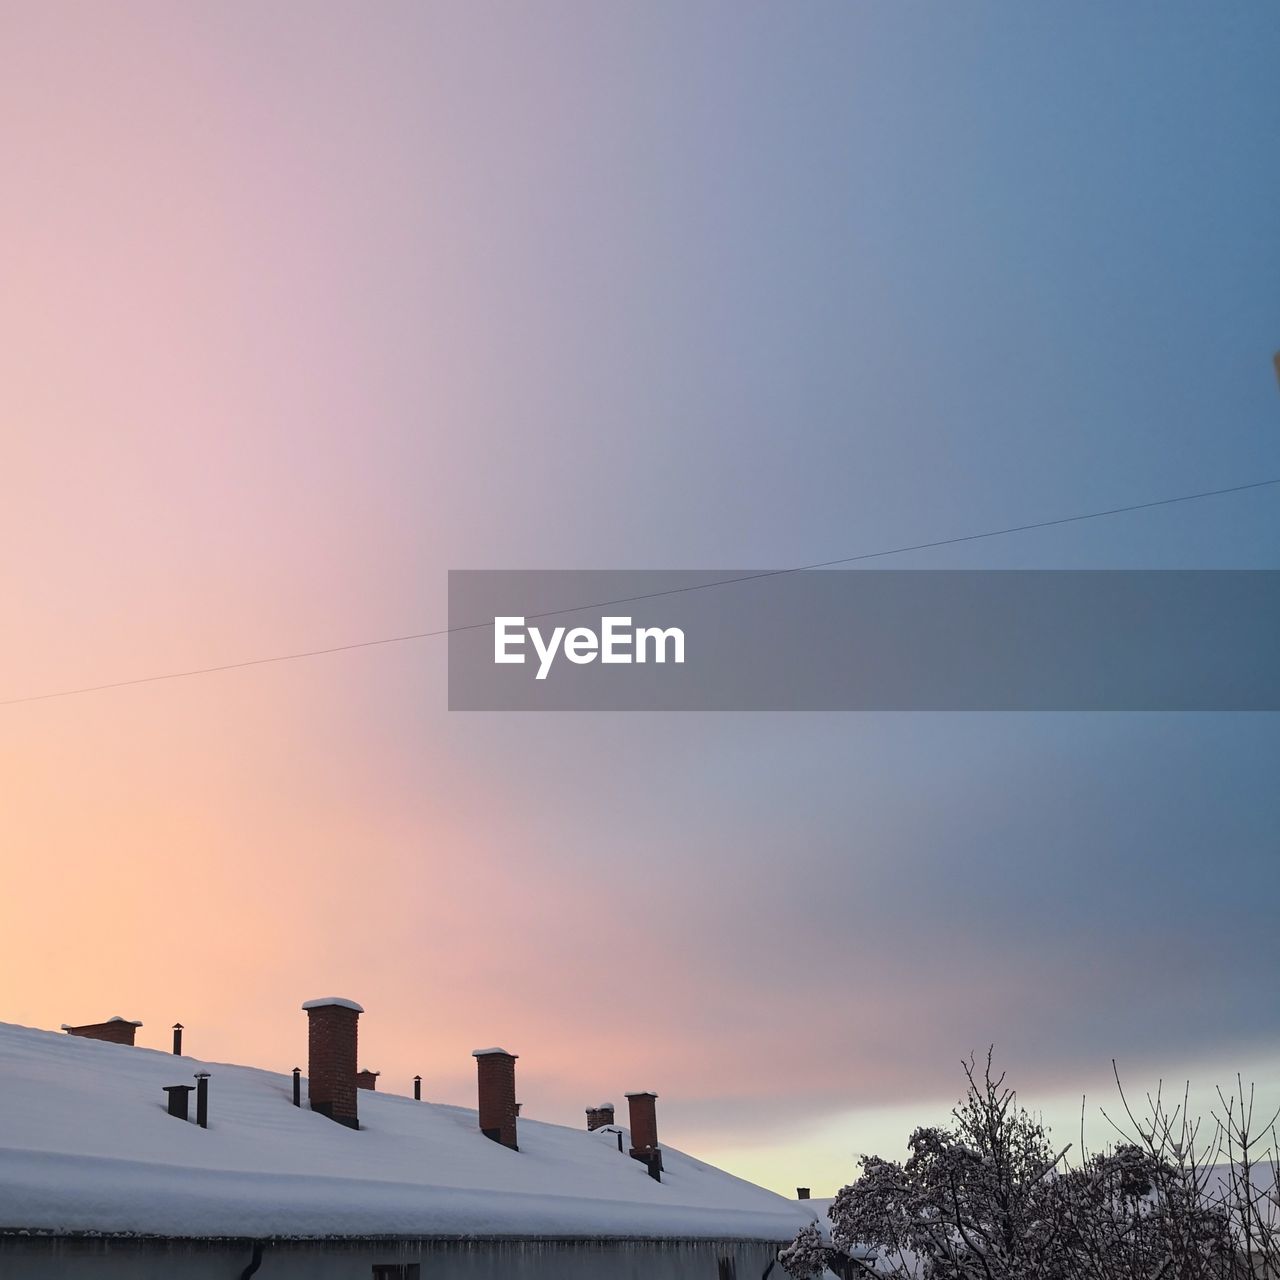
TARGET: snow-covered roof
(86,1145)
(818,1208)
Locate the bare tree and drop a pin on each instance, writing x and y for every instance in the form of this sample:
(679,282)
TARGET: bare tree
(1249,1188)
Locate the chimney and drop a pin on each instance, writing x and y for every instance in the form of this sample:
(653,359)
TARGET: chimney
(496,1076)
(417,1088)
(177,1038)
(644,1132)
(331,1058)
(598,1117)
(367,1079)
(802,1193)
(114,1030)
(178,1099)
(644,1121)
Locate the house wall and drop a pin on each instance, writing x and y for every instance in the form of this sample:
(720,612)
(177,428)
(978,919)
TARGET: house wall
(88,1258)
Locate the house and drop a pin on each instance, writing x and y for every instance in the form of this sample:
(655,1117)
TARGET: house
(105,1173)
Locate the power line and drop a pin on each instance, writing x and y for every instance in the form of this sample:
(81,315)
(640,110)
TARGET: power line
(700,586)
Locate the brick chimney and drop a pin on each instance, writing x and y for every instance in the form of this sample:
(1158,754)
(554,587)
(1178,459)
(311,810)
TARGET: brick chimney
(331,1058)
(496,1076)
(114,1030)
(644,1121)
(598,1117)
(367,1079)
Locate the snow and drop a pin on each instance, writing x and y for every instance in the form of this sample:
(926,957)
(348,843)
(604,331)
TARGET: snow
(341,1001)
(86,1145)
(66,1026)
(817,1208)
(484,1053)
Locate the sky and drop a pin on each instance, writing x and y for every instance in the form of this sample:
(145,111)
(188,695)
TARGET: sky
(304,305)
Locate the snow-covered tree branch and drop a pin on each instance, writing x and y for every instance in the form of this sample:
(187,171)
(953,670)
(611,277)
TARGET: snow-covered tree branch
(989,1197)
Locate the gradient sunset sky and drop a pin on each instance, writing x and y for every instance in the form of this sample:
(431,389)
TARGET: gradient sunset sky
(302,305)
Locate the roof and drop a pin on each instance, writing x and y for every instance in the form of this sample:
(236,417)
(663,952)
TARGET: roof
(86,1145)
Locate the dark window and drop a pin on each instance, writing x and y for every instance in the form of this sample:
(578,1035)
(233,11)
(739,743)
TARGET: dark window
(397,1271)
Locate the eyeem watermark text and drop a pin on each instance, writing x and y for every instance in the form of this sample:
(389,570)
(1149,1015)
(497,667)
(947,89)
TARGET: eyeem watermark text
(865,640)
(617,641)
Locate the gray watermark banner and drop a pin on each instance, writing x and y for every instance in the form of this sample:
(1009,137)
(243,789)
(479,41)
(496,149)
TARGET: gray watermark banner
(864,640)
